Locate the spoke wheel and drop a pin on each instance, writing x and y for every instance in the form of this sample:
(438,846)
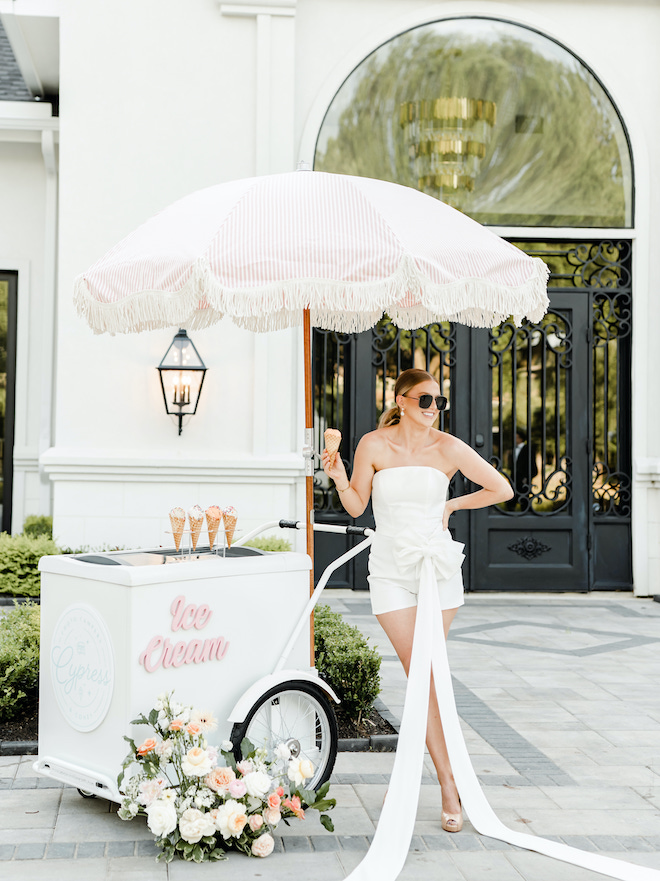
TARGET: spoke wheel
(296,713)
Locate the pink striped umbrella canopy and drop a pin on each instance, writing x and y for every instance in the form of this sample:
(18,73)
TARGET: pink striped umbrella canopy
(264,249)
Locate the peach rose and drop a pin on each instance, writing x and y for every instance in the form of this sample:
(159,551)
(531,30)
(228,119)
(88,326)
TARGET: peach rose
(193,729)
(219,779)
(274,801)
(294,805)
(263,846)
(280,791)
(256,821)
(148,746)
(176,724)
(272,816)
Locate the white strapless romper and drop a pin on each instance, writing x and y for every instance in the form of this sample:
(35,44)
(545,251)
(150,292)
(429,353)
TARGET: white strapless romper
(408,504)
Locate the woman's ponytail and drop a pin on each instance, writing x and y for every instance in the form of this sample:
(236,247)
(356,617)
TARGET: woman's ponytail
(390,417)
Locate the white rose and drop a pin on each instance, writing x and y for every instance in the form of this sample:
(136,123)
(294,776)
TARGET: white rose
(230,818)
(263,846)
(226,746)
(196,762)
(283,752)
(257,784)
(194,825)
(300,770)
(161,817)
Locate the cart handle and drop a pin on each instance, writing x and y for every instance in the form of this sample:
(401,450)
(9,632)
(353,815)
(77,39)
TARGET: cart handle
(300,524)
(323,580)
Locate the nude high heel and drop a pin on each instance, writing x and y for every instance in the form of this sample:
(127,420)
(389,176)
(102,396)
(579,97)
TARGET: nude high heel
(452,822)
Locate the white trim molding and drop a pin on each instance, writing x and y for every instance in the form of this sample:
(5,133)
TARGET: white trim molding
(70,464)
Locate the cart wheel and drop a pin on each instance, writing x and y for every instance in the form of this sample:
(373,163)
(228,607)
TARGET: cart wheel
(86,794)
(299,714)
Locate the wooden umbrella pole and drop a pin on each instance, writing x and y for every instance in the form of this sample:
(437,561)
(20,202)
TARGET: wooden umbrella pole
(309,464)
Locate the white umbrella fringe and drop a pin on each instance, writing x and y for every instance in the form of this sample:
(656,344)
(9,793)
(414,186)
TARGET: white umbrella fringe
(407,296)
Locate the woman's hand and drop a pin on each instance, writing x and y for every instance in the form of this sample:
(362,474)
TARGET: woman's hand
(335,470)
(449,510)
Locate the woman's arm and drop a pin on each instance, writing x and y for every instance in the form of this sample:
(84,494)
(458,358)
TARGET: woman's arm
(354,494)
(496,488)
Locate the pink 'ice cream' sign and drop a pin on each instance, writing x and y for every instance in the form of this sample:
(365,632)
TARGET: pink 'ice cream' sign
(162,652)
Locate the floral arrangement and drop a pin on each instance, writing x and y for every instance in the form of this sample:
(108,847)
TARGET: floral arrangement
(198,800)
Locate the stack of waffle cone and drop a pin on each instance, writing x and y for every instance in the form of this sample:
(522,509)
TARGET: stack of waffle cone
(213,517)
(196,517)
(178,521)
(229,517)
(332,438)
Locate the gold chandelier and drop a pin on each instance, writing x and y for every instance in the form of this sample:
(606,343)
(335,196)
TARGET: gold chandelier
(446,140)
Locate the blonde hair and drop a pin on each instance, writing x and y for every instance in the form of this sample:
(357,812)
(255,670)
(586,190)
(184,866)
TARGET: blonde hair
(406,381)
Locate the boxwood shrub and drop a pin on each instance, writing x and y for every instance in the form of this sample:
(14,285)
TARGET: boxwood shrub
(346,662)
(19,660)
(37,524)
(19,561)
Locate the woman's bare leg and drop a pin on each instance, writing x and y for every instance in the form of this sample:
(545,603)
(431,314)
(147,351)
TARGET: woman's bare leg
(400,628)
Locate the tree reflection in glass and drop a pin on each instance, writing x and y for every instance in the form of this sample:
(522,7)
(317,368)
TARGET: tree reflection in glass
(556,155)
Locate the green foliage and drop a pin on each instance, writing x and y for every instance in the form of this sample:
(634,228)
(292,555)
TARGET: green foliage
(347,662)
(19,561)
(269,543)
(19,659)
(37,525)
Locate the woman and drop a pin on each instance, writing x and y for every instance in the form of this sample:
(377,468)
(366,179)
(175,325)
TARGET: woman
(407,464)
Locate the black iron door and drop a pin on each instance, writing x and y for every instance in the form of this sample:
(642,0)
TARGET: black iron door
(552,405)
(530,394)
(548,404)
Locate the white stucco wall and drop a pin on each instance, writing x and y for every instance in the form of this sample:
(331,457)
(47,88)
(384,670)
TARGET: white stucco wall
(156,104)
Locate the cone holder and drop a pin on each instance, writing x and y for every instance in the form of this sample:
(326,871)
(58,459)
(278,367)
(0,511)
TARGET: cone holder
(186,551)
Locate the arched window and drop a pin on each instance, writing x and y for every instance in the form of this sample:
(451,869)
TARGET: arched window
(491,117)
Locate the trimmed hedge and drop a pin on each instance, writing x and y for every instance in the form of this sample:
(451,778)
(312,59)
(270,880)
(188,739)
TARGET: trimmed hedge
(19,561)
(346,662)
(269,543)
(37,524)
(19,660)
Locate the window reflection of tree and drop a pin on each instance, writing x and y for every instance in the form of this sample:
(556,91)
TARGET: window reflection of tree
(557,155)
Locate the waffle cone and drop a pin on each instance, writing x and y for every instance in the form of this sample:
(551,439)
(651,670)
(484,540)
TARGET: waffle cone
(213,524)
(195,530)
(332,439)
(230,526)
(178,524)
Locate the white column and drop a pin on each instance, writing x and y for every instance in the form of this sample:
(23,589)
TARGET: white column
(274,34)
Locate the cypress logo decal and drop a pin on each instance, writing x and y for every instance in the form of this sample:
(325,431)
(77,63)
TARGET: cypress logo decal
(82,667)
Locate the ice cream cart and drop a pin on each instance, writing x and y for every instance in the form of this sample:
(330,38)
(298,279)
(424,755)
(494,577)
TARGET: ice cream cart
(228,632)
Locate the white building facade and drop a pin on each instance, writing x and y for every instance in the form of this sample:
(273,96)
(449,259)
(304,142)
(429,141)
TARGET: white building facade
(158,99)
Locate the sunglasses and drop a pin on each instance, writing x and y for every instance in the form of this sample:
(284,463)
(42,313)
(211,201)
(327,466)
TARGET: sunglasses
(426,400)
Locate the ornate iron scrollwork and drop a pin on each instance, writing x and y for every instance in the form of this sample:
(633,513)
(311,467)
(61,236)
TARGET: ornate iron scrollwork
(529,547)
(529,370)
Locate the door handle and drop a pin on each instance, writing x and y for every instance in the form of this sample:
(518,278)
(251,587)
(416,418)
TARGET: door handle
(479,440)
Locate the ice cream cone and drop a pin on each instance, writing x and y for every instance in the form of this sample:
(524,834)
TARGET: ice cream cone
(178,522)
(229,517)
(213,517)
(332,438)
(196,517)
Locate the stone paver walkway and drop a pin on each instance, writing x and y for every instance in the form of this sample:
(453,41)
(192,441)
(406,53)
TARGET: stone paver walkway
(560,701)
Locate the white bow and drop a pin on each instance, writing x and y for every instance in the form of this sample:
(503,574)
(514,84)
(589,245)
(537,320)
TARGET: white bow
(443,555)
